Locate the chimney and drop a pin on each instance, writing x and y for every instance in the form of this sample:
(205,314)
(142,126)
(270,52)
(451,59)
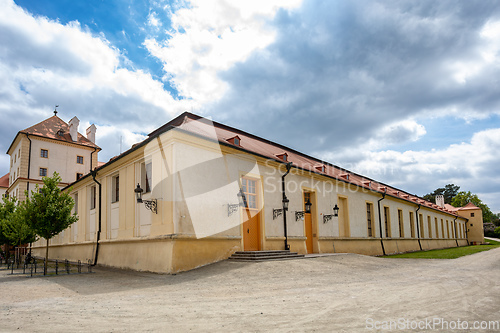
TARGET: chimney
(440,200)
(73,128)
(91,133)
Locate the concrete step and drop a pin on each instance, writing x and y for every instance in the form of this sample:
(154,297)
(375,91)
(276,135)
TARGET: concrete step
(261,253)
(264,255)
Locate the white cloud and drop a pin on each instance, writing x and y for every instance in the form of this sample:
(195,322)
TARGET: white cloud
(209,37)
(472,165)
(43,63)
(153,20)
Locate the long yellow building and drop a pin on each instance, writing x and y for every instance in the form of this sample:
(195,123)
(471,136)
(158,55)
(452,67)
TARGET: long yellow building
(196,191)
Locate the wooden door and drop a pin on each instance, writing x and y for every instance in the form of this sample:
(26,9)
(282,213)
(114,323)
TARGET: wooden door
(308,223)
(251,232)
(251,215)
(309,232)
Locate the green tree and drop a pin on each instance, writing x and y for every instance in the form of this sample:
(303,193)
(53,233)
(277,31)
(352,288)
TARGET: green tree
(48,211)
(463,198)
(7,207)
(16,229)
(495,219)
(449,191)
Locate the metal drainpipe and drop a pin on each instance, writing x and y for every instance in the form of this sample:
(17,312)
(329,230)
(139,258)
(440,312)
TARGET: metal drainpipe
(466,232)
(455,226)
(95,149)
(288,167)
(29,164)
(94,174)
(380,221)
(418,227)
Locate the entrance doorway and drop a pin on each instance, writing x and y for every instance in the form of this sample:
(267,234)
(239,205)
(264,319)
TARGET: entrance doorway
(251,215)
(308,224)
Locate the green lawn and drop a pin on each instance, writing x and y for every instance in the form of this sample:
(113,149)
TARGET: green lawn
(450,253)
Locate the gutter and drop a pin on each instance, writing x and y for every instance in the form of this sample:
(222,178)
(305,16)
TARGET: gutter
(95,149)
(29,163)
(456,232)
(380,220)
(94,174)
(418,227)
(466,232)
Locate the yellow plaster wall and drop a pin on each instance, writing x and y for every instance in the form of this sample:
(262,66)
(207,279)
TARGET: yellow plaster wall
(154,255)
(189,253)
(475,228)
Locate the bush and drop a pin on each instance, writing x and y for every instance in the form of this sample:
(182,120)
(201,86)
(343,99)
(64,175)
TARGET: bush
(497,232)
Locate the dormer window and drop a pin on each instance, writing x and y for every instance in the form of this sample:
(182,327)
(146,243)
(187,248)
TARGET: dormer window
(321,168)
(60,132)
(283,157)
(235,140)
(367,183)
(345,176)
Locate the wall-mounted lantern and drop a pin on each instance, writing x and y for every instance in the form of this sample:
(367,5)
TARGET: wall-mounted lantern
(278,211)
(327,218)
(242,202)
(300,214)
(152,205)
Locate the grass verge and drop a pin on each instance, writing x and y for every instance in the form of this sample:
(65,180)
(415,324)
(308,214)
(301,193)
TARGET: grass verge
(451,253)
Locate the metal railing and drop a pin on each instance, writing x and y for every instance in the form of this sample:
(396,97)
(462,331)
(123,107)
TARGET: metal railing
(33,266)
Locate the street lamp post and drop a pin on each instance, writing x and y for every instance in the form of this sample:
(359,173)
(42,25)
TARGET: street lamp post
(285,202)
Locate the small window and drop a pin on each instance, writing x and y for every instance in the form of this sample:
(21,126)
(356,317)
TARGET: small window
(471,214)
(412,225)
(321,168)
(92,197)
(283,157)
(79,159)
(75,198)
(235,140)
(40,190)
(115,193)
(146,173)
(44,153)
(387,220)
(401,224)
(79,175)
(369,218)
(43,172)
(249,188)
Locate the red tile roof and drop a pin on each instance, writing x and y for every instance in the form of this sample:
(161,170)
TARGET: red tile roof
(49,129)
(469,206)
(4,181)
(219,132)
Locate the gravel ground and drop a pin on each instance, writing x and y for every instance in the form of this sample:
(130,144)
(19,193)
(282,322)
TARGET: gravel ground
(337,293)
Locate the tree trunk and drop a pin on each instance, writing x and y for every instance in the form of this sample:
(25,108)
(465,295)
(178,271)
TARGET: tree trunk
(46,258)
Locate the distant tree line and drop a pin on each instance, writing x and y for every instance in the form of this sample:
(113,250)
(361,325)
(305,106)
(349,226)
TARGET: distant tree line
(455,198)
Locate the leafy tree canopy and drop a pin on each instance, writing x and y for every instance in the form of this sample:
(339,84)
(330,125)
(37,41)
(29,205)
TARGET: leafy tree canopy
(7,207)
(14,226)
(463,198)
(449,191)
(48,210)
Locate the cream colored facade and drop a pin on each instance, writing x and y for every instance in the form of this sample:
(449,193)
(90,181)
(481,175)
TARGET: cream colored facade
(33,156)
(475,228)
(194,178)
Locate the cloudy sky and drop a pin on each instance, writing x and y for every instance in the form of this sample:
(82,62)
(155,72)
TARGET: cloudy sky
(406,92)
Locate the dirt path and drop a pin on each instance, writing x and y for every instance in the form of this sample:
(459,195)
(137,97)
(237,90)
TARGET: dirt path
(334,293)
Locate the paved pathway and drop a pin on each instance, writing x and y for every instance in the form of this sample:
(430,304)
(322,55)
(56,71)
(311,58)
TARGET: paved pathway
(340,293)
